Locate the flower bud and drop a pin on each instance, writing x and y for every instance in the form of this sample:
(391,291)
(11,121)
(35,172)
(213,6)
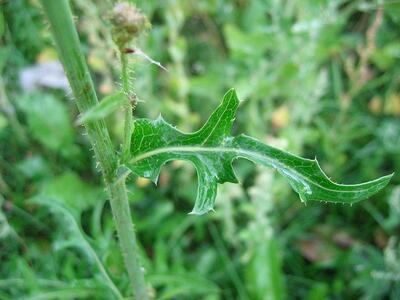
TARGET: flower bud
(128,22)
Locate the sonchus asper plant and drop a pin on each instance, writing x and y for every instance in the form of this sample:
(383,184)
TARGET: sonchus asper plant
(149,144)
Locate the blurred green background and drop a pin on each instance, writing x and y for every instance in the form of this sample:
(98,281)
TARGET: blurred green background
(317,78)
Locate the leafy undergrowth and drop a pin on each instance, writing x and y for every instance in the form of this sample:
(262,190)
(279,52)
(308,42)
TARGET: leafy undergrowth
(318,80)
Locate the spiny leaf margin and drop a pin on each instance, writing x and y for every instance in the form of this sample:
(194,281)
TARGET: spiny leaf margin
(212,149)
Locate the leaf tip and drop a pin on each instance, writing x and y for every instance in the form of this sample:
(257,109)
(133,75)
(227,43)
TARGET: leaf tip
(154,180)
(79,121)
(160,118)
(381,182)
(200,212)
(303,200)
(386,179)
(231,93)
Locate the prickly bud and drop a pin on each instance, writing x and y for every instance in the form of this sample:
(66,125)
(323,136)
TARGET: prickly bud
(128,22)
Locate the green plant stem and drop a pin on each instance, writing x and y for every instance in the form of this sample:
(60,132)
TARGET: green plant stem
(128,107)
(123,219)
(68,47)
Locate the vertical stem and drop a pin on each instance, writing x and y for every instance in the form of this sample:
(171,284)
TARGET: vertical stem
(128,107)
(126,233)
(68,48)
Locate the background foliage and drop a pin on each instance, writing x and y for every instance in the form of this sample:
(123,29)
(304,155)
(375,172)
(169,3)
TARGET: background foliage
(316,78)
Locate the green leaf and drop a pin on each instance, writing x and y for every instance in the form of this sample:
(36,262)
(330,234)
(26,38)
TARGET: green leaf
(212,150)
(48,121)
(72,192)
(105,107)
(67,196)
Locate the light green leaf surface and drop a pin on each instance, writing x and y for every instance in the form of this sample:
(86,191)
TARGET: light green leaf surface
(104,108)
(212,150)
(72,192)
(48,121)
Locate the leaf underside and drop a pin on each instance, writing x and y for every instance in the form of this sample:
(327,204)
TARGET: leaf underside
(212,150)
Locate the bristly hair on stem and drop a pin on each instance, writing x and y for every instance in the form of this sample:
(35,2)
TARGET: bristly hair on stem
(68,48)
(129,107)
(127,24)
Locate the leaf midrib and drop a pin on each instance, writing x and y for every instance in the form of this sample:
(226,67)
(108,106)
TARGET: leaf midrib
(247,154)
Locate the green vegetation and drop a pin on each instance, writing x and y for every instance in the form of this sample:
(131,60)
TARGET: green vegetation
(316,77)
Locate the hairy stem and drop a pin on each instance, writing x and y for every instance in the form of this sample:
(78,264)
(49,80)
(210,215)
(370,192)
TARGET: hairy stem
(128,108)
(126,233)
(68,47)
